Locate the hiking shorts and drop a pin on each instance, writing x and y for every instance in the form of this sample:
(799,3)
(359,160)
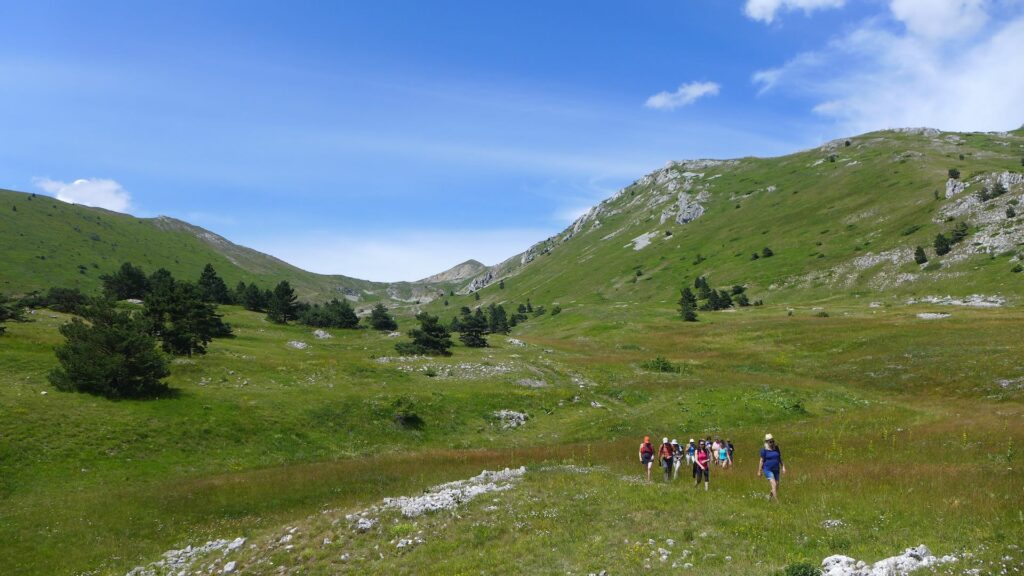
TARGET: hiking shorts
(698,472)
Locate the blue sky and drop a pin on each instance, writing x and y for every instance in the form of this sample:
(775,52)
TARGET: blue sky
(391,140)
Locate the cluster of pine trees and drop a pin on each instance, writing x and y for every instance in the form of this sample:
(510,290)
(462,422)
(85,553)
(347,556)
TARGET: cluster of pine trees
(474,326)
(10,310)
(708,299)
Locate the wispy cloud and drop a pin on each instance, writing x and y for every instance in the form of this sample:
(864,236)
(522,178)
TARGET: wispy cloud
(685,95)
(766,10)
(397,255)
(902,68)
(98,192)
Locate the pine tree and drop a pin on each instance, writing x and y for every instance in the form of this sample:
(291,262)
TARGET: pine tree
(187,322)
(501,284)
(281,308)
(724,300)
(688,305)
(919,256)
(497,319)
(334,314)
(521,309)
(9,310)
(1010,212)
(239,294)
(474,327)
(529,306)
(741,300)
(381,320)
(254,299)
(941,245)
(455,326)
(112,355)
(127,282)
(476,296)
(212,288)
(767,252)
(430,338)
(704,291)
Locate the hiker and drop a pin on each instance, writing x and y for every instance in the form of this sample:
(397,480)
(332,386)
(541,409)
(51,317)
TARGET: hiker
(714,450)
(665,453)
(724,458)
(691,450)
(677,458)
(732,449)
(701,464)
(647,455)
(771,465)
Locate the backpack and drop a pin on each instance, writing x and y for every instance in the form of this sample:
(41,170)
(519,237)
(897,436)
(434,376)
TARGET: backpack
(665,451)
(646,448)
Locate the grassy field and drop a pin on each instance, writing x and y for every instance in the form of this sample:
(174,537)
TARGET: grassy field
(898,426)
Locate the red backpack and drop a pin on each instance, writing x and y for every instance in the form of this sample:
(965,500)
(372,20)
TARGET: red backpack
(646,448)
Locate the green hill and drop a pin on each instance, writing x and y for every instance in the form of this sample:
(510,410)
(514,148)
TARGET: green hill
(50,243)
(841,220)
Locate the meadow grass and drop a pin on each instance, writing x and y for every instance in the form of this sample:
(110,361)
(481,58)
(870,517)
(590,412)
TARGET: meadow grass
(896,425)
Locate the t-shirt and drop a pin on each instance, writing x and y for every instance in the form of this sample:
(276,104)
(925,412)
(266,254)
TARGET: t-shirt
(666,451)
(702,458)
(691,449)
(772,459)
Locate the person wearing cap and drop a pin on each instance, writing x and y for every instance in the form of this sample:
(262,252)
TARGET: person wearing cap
(771,465)
(691,451)
(677,458)
(665,454)
(647,455)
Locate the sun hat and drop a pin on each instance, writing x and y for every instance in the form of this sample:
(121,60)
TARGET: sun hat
(674,441)
(768,437)
(664,440)
(692,440)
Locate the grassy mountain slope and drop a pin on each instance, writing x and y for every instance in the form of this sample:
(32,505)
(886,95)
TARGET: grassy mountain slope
(842,219)
(50,243)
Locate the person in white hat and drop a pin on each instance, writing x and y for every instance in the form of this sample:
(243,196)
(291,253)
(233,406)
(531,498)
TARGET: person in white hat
(771,465)
(665,455)
(691,451)
(677,458)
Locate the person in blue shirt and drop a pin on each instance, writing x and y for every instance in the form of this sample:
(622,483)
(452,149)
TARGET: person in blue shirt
(771,465)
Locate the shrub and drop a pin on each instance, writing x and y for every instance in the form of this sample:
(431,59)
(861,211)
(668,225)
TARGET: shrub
(1017,269)
(942,245)
(919,256)
(954,173)
(381,320)
(767,252)
(113,355)
(660,364)
(1010,212)
(430,338)
(556,310)
(822,314)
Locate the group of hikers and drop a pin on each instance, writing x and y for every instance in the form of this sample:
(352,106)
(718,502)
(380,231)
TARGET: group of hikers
(703,454)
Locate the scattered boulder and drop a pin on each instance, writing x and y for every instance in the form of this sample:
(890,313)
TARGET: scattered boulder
(321,334)
(298,345)
(912,559)
(516,342)
(511,419)
(932,315)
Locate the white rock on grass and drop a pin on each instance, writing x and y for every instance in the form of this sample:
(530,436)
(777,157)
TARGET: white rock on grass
(511,419)
(321,334)
(972,301)
(912,559)
(642,241)
(932,315)
(531,383)
(449,496)
(298,345)
(180,561)
(516,342)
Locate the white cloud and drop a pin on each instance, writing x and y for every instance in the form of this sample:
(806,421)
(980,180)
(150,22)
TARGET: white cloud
(765,10)
(98,192)
(939,19)
(396,255)
(685,95)
(886,73)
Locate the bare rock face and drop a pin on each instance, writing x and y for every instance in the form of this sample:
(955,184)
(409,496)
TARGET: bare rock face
(954,187)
